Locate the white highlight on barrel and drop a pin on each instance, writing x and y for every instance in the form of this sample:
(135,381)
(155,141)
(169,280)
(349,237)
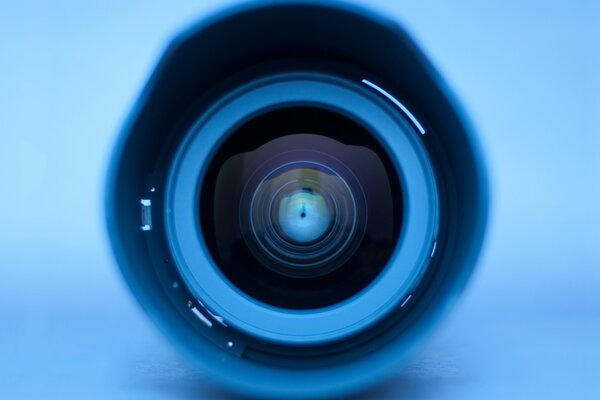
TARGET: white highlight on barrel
(397,103)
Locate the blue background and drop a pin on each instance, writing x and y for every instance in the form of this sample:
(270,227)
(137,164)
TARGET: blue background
(528,74)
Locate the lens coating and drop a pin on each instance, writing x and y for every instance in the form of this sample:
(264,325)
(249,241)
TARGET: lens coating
(303,215)
(301,220)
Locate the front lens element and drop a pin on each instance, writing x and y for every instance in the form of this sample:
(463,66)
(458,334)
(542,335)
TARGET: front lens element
(301,208)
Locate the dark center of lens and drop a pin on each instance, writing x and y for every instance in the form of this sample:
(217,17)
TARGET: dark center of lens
(301,208)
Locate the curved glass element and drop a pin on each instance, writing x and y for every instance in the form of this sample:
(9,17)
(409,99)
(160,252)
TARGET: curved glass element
(301,220)
(304,215)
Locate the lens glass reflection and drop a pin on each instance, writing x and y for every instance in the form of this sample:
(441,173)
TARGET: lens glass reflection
(304,216)
(301,208)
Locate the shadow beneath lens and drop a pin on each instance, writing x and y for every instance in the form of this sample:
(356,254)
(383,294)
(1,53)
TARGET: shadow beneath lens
(429,378)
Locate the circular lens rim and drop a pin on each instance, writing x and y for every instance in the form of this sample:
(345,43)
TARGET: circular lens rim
(346,318)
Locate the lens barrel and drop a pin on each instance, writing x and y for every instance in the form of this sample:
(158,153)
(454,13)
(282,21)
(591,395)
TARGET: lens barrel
(294,205)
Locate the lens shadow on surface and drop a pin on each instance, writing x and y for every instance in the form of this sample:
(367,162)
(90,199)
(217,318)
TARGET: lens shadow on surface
(422,379)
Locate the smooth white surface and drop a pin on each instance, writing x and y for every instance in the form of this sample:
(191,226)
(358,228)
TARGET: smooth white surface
(527,327)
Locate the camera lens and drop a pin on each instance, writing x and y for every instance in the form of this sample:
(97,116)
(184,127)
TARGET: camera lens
(296,212)
(301,207)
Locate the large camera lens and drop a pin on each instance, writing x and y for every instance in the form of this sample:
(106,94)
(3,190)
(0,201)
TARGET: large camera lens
(296,212)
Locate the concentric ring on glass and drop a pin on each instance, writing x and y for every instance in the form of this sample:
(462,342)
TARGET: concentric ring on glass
(351,249)
(302,219)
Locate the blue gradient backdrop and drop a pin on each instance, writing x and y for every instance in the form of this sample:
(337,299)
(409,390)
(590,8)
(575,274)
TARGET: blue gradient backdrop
(528,74)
